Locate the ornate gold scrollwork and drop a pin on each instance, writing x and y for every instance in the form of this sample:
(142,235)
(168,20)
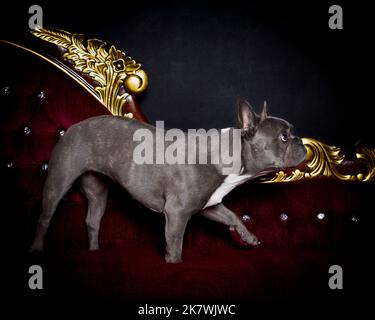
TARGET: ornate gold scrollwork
(117,74)
(324,160)
(367,155)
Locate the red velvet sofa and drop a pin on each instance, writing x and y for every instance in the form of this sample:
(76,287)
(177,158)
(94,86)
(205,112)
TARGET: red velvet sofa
(304,225)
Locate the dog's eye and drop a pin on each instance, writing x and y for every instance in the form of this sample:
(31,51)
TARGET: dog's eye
(284,137)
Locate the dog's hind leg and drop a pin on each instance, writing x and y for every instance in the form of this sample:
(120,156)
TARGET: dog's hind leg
(95,188)
(59,180)
(222,214)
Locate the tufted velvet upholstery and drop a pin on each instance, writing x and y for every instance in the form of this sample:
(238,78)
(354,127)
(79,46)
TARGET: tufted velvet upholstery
(39,102)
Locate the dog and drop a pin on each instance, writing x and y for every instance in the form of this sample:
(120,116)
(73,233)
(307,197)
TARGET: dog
(105,145)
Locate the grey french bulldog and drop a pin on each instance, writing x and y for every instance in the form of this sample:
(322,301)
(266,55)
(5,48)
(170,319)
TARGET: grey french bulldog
(105,145)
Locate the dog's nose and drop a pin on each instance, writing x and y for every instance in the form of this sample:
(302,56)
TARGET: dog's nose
(299,140)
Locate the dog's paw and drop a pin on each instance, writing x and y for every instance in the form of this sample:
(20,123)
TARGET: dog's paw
(248,237)
(172,259)
(37,246)
(94,247)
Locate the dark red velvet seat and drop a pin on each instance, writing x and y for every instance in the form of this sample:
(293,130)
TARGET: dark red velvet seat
(39,102)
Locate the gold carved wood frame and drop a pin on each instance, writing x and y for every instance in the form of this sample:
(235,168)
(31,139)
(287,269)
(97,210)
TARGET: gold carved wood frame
(117,75)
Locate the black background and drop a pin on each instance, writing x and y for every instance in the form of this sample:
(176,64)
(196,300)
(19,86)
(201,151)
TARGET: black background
(201,56)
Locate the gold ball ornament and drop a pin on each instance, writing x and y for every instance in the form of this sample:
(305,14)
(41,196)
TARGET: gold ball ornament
(137,82)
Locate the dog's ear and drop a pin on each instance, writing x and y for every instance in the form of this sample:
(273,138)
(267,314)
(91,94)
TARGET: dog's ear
(264,113)
(247,118)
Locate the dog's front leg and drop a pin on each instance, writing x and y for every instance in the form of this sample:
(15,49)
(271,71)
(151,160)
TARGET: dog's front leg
(222,214)
(175,225)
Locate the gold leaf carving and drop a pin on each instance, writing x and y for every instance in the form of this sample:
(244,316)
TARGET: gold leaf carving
(116,74)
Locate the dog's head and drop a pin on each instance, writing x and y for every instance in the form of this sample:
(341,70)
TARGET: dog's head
(268,142)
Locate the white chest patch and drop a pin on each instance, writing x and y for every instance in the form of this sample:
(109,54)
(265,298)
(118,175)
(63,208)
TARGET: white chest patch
(230,182)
